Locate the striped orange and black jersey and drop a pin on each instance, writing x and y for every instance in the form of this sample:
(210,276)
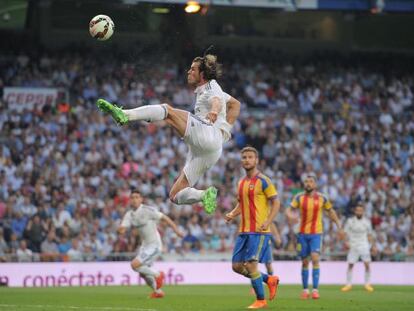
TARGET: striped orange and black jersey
(253,196)
(311,207)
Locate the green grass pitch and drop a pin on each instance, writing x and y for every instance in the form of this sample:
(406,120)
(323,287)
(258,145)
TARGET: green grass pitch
(202,298)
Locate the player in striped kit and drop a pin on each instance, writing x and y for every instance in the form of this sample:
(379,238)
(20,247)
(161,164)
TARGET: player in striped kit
(258,205)
(359,234)
(311,205)
(204,132)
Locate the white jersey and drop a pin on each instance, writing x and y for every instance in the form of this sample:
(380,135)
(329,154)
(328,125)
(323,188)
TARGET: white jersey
(204,94)
(357,231)
(145,219)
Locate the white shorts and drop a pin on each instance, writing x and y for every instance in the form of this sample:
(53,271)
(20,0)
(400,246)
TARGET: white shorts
(205,147)
(359,253)
(148,254)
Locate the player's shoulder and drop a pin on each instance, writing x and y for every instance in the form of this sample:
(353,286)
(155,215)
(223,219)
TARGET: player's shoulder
(212,85)
(298,195)
(264,178)
(324,196)
(149,208)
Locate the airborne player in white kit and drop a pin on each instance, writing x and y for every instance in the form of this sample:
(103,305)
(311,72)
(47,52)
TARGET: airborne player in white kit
(204,132)
(359,233)
(145,218)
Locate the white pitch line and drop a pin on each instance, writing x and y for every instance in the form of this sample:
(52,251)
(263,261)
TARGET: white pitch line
(76,307)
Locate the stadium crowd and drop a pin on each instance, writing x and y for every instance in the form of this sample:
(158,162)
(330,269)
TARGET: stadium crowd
(66,169)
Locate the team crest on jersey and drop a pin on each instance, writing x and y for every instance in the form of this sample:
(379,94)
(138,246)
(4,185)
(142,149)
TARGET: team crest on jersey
(251,186)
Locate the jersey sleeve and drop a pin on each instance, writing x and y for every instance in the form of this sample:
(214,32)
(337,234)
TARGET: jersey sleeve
(295,201)
(227,97)
(126,221)
(369,227)
(326,203)
(268,188)
(154,214)
(347,227)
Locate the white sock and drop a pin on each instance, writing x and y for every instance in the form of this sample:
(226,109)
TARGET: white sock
(145,270)
(367,277)
(147,113)
(349,276)
(189,196)
(150,280)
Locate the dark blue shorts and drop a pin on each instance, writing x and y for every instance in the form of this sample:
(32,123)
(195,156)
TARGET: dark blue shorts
(251,246)
(308,243)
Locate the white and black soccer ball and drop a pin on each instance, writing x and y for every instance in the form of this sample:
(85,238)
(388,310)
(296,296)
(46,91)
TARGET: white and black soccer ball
(101,27)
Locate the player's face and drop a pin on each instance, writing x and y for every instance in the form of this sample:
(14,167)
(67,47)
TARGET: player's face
(193,74)
(249,160)
(136,200)
(359,212)
(310,184)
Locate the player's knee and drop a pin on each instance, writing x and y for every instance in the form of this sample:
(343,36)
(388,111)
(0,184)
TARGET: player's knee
(172,196)
(168,109)
(237,267)
(135,264)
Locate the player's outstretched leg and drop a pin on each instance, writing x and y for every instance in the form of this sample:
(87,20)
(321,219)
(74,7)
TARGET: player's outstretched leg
(116,112)
(209,200)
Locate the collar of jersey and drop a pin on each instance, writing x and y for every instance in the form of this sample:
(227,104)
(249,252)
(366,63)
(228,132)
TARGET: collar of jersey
(201,88)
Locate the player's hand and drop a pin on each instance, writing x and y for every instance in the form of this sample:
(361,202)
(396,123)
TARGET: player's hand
(278,242)
(265,226)
(180,234)
(212,116)
(374,251)
(341,234)
(346,245)
(228,217)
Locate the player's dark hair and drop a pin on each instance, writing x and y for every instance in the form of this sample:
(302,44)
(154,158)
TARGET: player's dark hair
(135,190)
(250,149)
(208,65)
(359,204)
(313,176)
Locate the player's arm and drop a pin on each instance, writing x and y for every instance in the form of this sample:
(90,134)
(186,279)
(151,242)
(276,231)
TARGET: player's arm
(125,224)
(216,107)
(232,110)
(276,234)
(290,214)
(172,224)
(274,209)
(347,230)
(334,217)
(233,213)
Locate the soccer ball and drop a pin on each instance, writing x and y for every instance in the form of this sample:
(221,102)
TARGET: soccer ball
(101,27)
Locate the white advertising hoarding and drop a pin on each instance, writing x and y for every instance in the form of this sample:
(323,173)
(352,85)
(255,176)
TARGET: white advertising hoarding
(28,97)
(120,273)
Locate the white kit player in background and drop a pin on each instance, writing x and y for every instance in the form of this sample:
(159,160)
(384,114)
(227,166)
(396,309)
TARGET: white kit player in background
(204,132)
(145,218)
(360,242)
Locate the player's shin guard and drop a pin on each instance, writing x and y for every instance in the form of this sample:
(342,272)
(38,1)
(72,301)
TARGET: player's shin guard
(148,113)
(188,196)
(315,277)
(305,278)
(257,283)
